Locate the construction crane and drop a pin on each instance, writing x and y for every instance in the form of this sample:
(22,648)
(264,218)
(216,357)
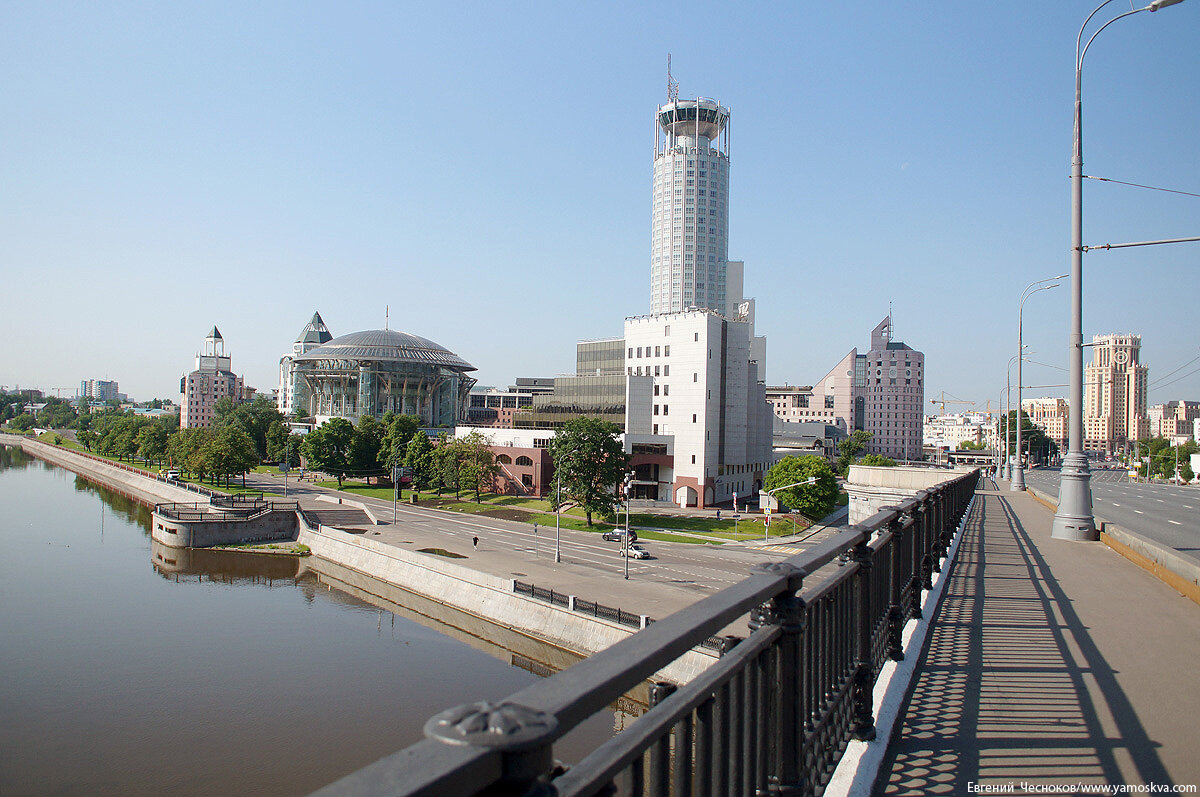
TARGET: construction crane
(952,400)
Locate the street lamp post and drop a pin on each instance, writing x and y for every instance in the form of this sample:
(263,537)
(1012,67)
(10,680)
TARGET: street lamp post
(767,528)
(1018,478)
(557,518)
(1074,519)
(1007,428)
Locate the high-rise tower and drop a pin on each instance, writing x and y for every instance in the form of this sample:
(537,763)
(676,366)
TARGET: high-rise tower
(690,224)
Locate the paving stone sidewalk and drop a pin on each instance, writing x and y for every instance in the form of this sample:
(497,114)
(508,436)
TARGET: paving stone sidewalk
(1049,663)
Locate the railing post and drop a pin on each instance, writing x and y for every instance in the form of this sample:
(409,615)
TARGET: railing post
(786,731)
(895,651)
(919,512)
(863,725)
(524,737)
(660,752)
(928,528)
(939,527)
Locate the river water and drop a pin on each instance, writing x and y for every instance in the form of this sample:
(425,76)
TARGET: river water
(127,668)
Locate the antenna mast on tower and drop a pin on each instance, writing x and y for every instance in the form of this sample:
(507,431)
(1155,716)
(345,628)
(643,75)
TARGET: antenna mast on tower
(672,84)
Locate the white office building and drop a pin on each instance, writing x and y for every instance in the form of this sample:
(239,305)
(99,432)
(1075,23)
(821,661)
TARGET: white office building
(705,393)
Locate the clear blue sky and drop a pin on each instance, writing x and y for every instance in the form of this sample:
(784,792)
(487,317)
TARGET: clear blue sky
(484,170)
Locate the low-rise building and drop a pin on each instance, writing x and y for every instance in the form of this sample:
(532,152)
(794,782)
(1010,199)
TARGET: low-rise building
(1174,419)
(951,431)
(1052,416)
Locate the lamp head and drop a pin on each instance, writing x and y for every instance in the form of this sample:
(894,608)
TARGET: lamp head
(1157,4)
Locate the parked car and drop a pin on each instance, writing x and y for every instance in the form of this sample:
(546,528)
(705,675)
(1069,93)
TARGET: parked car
(638,552)
(618,536)
(172,475)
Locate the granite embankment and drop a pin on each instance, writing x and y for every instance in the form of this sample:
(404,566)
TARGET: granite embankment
(138,484)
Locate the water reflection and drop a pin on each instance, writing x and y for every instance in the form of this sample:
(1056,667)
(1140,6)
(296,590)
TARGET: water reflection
(107,661)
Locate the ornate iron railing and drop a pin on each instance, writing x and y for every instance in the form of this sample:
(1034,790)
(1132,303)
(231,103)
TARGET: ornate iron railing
(772,715)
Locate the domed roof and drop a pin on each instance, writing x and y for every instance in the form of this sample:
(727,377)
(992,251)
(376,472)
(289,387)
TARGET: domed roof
(387,345)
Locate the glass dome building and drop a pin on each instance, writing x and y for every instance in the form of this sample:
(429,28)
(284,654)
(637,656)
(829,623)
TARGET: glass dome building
(382,370)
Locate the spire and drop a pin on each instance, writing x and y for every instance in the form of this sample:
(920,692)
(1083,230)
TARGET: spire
(672,84)
(215,334)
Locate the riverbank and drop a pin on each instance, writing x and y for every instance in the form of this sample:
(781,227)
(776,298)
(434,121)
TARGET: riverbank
(475,593)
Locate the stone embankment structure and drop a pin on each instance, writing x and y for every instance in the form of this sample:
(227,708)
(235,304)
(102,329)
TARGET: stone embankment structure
(180,521)
(870,488)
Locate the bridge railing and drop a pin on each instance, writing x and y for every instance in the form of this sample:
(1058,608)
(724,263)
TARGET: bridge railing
(772,715)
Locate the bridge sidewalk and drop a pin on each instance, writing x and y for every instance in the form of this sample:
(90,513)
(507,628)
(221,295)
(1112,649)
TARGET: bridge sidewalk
(1049,662)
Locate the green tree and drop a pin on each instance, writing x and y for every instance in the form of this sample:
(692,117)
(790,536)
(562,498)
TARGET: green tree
(23,422)
(848,449)
(282,445)
(86,438)
(399,431)
(479,466)
(254,417)
(878,460)
(152,443)
(590,461)
(232,453)
(419,457)
(365,443)
(327,448)
(967,445)
(182,445)
(812,500)
(447,462)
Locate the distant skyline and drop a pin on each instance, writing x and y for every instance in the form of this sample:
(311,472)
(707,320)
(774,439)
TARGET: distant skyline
(485,171)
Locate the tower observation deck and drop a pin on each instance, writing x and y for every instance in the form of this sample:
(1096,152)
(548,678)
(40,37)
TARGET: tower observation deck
(690,222)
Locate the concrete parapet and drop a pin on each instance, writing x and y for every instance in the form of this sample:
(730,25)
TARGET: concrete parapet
(482,595)
(278,524)
(870,488)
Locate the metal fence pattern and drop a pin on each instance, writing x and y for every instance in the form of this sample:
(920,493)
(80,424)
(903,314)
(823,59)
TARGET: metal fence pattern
(771,716)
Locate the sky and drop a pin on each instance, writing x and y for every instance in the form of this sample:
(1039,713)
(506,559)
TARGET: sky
(481,172)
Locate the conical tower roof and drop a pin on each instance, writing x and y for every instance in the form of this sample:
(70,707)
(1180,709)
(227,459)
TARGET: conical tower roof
(215,334)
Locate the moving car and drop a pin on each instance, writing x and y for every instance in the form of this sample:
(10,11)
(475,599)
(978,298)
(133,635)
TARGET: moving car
(638,552)
(618,536)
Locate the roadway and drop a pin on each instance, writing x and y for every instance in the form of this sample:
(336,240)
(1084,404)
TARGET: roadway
(678,574)
(1166,513)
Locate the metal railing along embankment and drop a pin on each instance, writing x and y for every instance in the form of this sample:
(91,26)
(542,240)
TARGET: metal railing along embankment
(203,512)
(771,716)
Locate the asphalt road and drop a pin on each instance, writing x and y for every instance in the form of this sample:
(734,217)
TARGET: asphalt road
(701,569)
(1166,513)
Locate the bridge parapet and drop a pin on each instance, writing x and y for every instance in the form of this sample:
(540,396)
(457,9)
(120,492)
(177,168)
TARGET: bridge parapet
(871,487)
(772,715)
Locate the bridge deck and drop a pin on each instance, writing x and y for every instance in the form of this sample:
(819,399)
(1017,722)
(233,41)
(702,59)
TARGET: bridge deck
(1049,662)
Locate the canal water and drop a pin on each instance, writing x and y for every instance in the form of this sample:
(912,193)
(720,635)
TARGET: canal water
(127,668)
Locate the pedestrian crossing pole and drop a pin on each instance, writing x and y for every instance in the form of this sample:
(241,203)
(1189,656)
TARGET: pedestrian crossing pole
(767,524)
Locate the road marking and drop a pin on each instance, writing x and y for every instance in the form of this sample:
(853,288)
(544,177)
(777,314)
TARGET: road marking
(1116,504)
(1176,522)
(1140,512)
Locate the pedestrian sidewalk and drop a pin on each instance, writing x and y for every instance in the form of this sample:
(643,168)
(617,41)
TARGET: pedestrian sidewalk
(1049,663)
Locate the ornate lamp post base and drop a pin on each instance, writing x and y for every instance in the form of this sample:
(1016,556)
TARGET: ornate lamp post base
(1074,519)
(1018,478)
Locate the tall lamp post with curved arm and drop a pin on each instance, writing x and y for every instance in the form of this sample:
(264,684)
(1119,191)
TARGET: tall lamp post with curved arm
(1074,519)
(1018,475)
(1008,474)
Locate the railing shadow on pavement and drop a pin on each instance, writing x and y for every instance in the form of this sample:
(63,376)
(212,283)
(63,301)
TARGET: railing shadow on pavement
(774,713)
(1014,706)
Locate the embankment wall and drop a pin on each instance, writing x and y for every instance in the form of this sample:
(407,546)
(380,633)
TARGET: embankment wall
(481,595)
